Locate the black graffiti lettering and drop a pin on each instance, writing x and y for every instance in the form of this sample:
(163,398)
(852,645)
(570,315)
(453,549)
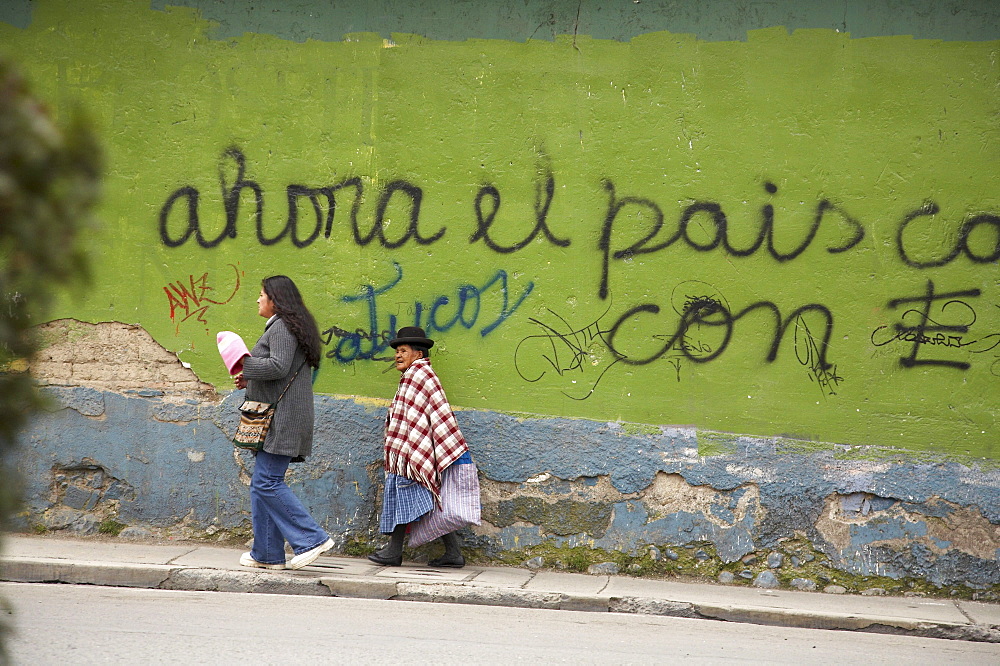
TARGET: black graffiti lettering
(293,193)
(969,226)
(807,353)
(718,231)
(721,229)
(324,213)
(542,212)
(543,200)
(323,200)
(719,222)
(781,327)
(644,308)
(859,231)
(701,312)
(821,208)
(615,206)
(415,195)
(937,340)
(564,348)
(689,345)
(926,325)
(710,312)
(230,200)
(231,195)
(191,195)
(768,229)
(359,190)
(961,245)
(959,313)
(483,223)
(928,209)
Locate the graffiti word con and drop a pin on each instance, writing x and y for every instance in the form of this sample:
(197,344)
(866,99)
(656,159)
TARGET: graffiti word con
(712,313)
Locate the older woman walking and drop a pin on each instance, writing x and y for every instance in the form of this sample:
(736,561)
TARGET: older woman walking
(290,343)
(422,443)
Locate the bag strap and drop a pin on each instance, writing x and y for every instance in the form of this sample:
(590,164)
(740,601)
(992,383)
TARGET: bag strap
(290,382)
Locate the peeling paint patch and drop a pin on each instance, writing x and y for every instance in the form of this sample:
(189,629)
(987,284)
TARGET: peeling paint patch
(967,530)
(88,402)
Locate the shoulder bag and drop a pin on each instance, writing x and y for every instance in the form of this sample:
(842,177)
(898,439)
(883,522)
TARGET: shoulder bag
(255,420)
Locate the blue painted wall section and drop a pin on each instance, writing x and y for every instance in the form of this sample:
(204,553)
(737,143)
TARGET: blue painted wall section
(165,466)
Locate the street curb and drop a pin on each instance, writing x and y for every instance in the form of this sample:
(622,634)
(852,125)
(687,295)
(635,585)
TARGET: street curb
(355,587)
(456,593)
(259,582)
(480,596)
(51,570)
(173,577)
(836,621)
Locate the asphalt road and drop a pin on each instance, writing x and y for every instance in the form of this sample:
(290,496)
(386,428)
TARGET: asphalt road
(58,624)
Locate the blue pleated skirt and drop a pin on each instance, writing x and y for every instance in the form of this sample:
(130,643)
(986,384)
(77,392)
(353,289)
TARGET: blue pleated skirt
(403,501)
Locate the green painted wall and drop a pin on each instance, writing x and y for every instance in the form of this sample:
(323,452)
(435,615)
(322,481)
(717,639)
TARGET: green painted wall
(588,142)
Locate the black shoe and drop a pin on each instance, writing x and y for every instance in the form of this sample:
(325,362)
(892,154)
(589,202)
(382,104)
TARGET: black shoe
(446,560)
(386,561)
(391,555)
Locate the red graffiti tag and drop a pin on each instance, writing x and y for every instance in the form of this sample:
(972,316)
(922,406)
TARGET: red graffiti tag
(193,297)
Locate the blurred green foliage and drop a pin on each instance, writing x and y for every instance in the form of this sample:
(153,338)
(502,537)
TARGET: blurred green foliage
(49,183)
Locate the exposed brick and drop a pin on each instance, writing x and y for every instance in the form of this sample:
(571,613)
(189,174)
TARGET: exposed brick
(110,356)
(57,355)
(83,372)
(53,370)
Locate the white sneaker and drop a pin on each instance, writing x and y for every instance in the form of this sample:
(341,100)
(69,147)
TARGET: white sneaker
(247,561)
(308,557)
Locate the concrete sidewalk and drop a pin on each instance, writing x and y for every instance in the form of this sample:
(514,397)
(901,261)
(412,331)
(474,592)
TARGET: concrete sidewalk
(191,566)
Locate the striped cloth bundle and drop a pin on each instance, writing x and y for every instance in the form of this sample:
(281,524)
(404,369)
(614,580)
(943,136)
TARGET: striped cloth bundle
(460,506)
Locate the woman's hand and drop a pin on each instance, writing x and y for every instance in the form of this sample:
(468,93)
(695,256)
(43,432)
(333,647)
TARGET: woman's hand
(240,381)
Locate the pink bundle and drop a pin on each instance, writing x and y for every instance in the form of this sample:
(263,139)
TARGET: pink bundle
(233,350)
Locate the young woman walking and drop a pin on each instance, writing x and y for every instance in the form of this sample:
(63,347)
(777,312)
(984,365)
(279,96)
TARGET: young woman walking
(290,343)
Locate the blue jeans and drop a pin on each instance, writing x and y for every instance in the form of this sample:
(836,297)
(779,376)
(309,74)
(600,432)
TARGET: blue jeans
(277,514)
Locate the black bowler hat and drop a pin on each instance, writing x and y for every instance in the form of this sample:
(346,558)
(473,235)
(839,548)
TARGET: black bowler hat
(411,335)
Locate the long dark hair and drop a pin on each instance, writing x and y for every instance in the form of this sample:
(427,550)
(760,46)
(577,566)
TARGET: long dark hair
(289,306)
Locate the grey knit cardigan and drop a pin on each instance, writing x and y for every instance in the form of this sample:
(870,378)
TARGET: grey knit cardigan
(271,363)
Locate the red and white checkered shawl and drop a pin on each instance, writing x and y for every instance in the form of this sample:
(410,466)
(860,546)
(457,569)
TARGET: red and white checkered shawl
(422,437)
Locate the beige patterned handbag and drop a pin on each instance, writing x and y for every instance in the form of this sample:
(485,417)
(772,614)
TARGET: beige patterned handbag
(255,420)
